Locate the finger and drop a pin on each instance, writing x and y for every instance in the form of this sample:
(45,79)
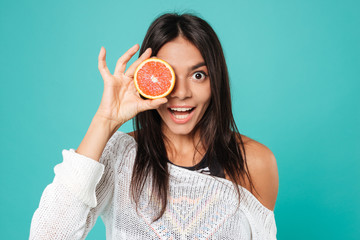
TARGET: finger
(104,71)
(152,104)
(131,70)
(123,60)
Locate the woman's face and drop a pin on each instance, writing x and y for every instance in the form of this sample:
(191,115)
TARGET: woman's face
(191,95)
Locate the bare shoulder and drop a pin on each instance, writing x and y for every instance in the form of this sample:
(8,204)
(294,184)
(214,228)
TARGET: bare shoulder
(263,170)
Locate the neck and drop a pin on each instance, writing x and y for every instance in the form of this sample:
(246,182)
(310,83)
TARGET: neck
(178,145)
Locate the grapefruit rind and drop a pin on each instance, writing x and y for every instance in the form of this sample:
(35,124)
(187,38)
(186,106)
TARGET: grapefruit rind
(154,59)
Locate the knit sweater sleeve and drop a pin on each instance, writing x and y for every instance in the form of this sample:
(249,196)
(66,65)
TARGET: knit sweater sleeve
(262,219)
(79,193)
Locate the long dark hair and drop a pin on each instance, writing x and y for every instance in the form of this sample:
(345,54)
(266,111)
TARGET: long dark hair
(218,131)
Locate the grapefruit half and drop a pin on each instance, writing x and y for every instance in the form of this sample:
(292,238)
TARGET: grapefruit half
(154,78)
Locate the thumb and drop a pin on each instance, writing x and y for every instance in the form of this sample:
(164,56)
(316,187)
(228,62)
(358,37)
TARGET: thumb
(152,104)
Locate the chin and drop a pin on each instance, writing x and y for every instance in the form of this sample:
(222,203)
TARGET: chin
(180,130)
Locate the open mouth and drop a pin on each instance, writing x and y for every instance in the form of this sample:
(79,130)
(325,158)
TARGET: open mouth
(181,113)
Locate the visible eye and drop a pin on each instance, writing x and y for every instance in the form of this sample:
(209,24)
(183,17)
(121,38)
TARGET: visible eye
(199,75)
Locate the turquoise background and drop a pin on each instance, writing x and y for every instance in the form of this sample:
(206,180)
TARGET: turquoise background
(294,68)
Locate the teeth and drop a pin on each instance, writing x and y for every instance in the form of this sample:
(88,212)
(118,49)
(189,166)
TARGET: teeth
(180,109)
(181,116)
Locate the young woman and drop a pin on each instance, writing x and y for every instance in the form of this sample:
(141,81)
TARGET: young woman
(184,173)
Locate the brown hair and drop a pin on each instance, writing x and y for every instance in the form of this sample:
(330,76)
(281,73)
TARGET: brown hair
(217,127)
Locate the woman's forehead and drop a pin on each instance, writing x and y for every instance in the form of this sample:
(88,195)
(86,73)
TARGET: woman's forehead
(182,54)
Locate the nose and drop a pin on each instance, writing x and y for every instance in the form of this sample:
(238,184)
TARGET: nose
(181,89)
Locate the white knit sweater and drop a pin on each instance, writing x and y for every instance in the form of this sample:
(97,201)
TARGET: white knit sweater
(200,206)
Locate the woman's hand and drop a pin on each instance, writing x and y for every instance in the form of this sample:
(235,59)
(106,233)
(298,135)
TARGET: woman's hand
(121,101)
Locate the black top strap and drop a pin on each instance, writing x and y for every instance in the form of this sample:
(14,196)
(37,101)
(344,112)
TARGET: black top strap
(203,167)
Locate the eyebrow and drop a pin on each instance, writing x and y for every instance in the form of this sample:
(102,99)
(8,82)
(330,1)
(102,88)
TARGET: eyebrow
(197,66)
